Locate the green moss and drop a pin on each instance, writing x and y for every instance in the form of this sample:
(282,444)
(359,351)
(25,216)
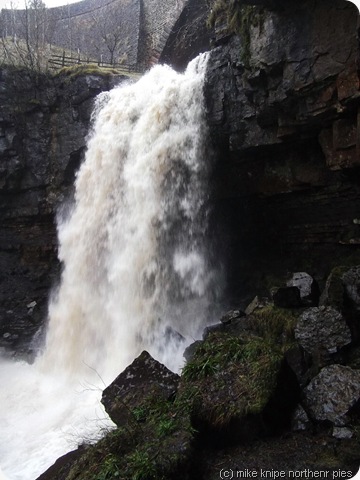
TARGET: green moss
(239,18)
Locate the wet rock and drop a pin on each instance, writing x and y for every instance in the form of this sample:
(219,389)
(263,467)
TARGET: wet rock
(236,326)
(322,328)
(342,291)
(299,360)
(190,350)
(270,95)
(300,420)
(231,315)
(43,129)
(351,282)
(145,377)
(332,393)
(333,294)
(255,304)
(342,433)
(287,297)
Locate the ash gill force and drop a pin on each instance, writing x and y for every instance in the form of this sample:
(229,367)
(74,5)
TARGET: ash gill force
(137,268)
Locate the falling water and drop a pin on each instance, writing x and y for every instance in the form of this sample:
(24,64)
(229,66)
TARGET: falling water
(136,268)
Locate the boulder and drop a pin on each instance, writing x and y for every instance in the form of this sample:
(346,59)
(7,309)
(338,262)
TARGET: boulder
(287,297)
(332,393)
(333,293)
(342,291)
(309,290)
(351,282)
(143,379)
(322,328)
(231,382)
(299,361)
(154,438)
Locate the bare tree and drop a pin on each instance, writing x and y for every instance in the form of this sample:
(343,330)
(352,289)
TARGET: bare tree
(24,34)
(109,29)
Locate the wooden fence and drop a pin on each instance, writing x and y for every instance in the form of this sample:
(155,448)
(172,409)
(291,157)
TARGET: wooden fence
(59,61)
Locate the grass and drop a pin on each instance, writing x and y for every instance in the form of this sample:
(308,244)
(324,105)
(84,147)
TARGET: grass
(275,324)
(151,446)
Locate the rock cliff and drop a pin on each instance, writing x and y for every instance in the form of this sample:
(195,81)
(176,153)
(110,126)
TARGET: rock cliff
(283,99)
(43,126)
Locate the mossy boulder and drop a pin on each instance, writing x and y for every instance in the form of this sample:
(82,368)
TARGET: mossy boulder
(156,446)
(144,379)
(230,380)
(154,438)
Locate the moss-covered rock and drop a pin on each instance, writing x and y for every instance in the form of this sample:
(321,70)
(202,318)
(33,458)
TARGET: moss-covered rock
(145,379)
(154,438)
(230,380)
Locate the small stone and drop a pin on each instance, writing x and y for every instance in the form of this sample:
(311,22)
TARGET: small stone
(231,315)
(31,304)
(342,433)
(300,420)
(255,304)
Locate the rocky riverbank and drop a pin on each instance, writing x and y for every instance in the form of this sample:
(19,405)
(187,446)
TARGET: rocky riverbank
(275,388)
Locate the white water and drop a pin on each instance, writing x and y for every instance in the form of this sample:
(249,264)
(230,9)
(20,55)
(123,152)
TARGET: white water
(136,267)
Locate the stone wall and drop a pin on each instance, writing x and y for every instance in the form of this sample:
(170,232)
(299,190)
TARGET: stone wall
(189,36)
(158,19)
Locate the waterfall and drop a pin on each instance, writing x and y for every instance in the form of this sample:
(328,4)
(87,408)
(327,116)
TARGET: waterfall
(137,267)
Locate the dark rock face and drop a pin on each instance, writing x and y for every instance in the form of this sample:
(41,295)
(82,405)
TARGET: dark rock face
(43,127)
(283,113)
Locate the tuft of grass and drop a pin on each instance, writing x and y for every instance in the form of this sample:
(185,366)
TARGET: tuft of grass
(276,324)
(152,445)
